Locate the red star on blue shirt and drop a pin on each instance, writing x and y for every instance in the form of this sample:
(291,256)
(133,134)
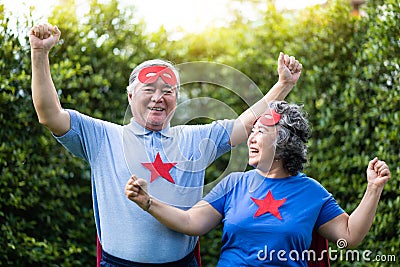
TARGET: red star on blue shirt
(268,204)
(159,168)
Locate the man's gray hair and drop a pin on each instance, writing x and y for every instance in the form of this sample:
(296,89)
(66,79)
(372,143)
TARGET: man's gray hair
(133,78)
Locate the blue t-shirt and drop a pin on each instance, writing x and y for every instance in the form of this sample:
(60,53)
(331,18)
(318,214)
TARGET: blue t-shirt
(269,221)
(173,161)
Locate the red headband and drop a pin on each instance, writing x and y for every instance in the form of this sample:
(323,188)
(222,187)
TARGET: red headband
(270,119)
(152,73)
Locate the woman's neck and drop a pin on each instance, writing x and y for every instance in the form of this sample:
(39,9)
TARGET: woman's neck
(276,170)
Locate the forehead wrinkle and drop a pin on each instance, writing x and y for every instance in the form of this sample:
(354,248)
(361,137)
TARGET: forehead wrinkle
(260,125)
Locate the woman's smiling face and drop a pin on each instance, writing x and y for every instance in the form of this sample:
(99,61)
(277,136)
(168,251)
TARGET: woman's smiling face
(261,144)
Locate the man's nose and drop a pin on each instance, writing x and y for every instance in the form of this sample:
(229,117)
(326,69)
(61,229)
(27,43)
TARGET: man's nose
(157,96)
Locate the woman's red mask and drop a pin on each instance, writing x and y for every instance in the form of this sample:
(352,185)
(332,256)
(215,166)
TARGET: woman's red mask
(270,119)
(150,74)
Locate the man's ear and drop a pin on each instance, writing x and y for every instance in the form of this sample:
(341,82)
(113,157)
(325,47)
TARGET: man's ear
(130,96)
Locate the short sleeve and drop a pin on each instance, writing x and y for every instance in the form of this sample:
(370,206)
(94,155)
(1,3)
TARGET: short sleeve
(222,130)
(219,196)
(85,136)
(329,210)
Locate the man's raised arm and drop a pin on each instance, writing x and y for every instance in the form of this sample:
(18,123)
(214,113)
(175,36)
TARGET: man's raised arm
(42,38)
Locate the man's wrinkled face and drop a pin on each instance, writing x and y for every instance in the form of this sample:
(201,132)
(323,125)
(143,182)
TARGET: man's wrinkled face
(154,99)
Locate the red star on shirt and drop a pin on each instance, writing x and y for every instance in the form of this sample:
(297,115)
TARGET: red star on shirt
(268,204)
(159,168)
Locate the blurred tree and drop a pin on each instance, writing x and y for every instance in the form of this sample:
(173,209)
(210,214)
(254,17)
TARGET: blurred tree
(349,86)
(46,209)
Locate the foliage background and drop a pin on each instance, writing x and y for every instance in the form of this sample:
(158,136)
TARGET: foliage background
(350,88)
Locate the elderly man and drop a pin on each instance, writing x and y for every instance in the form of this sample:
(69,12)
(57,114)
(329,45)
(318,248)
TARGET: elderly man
(147,147)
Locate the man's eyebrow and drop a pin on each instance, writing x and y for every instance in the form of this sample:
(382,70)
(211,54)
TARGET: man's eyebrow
(148,84)
(165,85)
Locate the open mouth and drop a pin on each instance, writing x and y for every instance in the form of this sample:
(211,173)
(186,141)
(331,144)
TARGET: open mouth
(253,151)
(157,109)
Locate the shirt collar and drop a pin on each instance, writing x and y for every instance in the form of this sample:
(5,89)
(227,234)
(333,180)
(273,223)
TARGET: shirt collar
(140,130)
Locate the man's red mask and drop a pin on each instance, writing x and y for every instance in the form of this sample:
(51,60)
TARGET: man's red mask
(270,119)
(151,74)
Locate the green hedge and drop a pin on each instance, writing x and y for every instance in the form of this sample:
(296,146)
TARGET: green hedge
(349,86)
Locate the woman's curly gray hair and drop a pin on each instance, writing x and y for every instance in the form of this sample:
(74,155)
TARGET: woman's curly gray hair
(293,134)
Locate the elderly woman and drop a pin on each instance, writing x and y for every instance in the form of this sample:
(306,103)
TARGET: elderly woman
(270,212)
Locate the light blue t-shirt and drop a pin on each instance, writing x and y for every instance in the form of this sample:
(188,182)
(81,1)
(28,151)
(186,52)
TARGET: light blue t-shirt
(269,221)
(115,152)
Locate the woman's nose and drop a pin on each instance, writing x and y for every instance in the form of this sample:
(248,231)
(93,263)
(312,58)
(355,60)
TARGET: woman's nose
(251,138)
